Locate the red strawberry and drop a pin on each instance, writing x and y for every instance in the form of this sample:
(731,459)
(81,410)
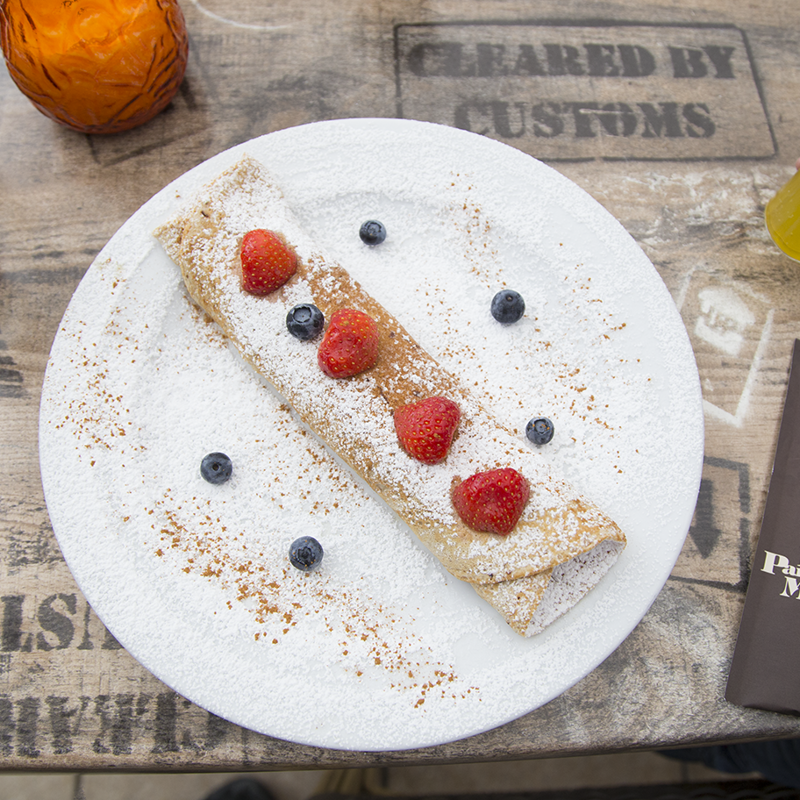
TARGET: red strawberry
(492,501)
(350,345)
(425,429)
(267,262)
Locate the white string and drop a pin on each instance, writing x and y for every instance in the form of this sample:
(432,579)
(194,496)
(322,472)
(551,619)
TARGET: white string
(234,22)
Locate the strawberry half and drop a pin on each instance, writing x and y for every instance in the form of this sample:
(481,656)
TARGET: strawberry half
(492,502)
(267,262)
(350,345)
(425,429)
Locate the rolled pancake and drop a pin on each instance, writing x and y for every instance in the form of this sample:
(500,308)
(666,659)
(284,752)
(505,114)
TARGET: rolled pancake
(562,545)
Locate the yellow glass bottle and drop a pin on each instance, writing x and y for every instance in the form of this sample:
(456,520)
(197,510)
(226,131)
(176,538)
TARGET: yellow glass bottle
(782,216)
(96,66)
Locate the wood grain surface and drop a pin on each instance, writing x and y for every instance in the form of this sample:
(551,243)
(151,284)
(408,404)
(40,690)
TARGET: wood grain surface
(680,117)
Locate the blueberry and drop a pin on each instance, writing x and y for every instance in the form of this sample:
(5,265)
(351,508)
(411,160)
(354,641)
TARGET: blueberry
(508,306)
(539,430)
(305,553)
(216,468)
(305,321)
(372,232)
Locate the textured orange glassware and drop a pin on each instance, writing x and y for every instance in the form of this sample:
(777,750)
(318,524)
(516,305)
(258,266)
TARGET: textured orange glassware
(96,66)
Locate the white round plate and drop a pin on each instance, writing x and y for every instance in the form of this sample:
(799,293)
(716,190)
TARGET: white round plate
(380,649)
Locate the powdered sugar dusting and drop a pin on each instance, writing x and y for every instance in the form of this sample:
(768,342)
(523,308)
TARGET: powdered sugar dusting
(354,417)
(194,579)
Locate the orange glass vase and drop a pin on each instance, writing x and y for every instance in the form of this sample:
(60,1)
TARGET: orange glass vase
(96,66)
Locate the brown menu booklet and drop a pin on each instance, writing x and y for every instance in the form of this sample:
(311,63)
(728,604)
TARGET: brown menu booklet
(765,672)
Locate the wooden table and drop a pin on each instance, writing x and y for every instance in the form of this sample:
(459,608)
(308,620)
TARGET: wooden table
(680,117)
